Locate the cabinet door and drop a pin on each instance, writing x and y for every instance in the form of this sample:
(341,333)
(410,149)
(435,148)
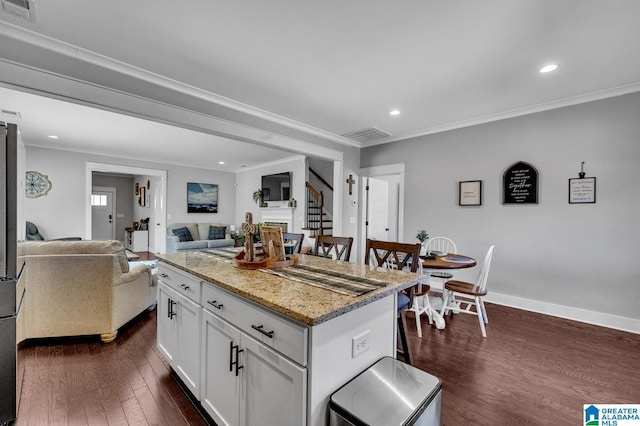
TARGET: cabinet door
(220,389)
(188,363)
(167,323)
(273,389)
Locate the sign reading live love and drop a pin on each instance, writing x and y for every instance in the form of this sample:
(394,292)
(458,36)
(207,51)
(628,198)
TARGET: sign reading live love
(520,184)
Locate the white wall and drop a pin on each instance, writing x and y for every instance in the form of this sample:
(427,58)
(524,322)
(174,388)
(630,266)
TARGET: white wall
(62,212)
(250,180)
(552,253)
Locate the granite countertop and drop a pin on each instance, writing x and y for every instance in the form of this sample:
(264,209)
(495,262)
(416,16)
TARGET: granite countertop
(299,301)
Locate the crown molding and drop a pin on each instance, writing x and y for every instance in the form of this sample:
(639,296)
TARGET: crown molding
(546,106)
(93,58)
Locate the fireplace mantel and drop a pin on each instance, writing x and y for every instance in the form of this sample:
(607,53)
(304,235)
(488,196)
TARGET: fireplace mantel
(278,215)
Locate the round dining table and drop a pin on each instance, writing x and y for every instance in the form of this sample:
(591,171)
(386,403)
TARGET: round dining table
(445,262)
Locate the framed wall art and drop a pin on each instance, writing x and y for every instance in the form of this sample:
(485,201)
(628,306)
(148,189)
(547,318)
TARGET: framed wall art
(520,184)
(582,190)
(202,198)
(470,193)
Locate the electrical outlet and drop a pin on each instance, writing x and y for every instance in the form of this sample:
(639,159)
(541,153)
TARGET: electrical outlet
(360,343)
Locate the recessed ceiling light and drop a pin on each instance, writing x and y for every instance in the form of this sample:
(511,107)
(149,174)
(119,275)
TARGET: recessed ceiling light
(394,112)
(548,68)
(220,162)
(53,136)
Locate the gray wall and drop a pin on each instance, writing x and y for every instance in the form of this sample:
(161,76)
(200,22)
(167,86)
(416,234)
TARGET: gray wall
(582,256)
(62,211)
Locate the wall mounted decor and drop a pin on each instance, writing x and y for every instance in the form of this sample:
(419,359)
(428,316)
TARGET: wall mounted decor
(582,190)
(202,198)
(36,184)
(520,184)
(470,193)
(142,196)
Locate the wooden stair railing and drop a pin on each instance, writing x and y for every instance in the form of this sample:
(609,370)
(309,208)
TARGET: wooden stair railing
(315,204)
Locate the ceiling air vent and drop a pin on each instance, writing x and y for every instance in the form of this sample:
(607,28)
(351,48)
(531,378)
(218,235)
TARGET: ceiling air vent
(367,135)
(12,114)
(24,9)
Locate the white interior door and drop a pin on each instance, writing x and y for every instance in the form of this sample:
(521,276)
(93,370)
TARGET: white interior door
(378,209)
(103,224)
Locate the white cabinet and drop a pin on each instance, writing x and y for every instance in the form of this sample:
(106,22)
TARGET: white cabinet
(136,240)
(167,328)
(179,318)
(246,383)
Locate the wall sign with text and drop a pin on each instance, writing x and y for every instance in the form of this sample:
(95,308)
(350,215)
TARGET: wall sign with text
(520,184)
(470,193)
(582,190)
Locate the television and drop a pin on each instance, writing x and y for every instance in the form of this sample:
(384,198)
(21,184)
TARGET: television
(276,187)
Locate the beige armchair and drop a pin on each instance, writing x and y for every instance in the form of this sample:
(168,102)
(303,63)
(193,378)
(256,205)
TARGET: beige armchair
(72,288)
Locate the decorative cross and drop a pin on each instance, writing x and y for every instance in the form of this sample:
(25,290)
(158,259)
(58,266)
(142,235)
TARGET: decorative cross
(249,229)
(350,181)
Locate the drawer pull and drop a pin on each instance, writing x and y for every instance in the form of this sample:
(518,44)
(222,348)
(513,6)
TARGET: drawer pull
(213,303)
(184,286)
(260,328)
(163,275)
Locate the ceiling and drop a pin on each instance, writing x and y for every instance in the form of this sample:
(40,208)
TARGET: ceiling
(339,66)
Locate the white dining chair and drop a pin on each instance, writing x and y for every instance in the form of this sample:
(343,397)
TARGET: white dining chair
(459,293)
(442,245)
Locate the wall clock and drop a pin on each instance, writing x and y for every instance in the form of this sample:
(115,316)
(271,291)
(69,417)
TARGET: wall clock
(36,184)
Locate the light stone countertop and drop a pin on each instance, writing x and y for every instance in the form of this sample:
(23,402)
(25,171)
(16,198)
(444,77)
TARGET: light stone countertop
(296,300)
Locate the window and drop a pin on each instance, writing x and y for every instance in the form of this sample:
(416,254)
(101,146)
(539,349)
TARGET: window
(98,200)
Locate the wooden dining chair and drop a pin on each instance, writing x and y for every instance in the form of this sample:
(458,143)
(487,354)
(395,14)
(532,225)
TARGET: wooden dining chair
(458,293)
(399,256)
(442,245)
(298,238)
(329,245)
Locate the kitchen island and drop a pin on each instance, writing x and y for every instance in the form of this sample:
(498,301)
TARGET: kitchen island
(259,347)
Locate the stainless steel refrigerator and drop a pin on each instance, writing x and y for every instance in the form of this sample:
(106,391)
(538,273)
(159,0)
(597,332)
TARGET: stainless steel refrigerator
(8,279)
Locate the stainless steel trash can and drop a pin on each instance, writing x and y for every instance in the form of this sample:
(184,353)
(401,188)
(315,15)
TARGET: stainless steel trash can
(388,393)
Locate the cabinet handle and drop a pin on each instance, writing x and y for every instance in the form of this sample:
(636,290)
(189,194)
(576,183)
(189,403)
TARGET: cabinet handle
(237,349)
(171,311)
(260,328)
(238,366)
(163,275)
(169,308)
(213,303)
(184,286)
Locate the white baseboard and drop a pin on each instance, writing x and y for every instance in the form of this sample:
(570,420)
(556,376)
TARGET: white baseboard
(597,318)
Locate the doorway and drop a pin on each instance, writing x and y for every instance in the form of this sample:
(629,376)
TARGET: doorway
(157,211)
(103,208)
(383,201)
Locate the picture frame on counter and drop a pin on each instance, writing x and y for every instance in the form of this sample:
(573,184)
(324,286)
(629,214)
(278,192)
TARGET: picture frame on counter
(470,193)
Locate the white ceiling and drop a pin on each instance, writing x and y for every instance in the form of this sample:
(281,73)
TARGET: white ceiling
(341,66)
(80,128)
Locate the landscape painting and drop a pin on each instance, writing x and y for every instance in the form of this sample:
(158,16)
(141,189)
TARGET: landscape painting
(202,198)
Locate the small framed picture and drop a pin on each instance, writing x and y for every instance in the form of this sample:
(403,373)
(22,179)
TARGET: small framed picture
(582,190)
(470,193)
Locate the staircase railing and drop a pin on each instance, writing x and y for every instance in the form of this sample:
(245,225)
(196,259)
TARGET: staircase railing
(315,204)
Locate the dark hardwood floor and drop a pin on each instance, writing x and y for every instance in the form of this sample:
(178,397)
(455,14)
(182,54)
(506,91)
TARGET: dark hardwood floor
(532,369)
(80,381)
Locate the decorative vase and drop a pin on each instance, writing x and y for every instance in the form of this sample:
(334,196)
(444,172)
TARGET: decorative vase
(423,249)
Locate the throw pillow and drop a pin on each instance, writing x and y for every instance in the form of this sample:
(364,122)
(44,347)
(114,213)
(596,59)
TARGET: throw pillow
(217,232)
(183,234)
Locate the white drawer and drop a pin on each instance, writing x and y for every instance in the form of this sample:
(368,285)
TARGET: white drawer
(180,281)
(281,334)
